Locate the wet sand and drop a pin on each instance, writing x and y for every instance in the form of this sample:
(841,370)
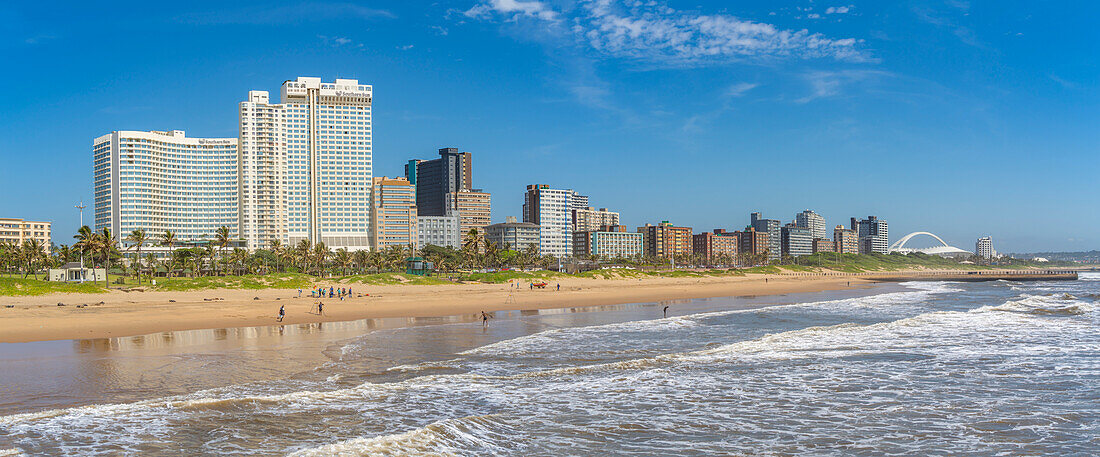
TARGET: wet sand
(138,313)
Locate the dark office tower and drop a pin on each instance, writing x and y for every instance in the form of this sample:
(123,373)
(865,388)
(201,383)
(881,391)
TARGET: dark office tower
(772,227)
(437,178)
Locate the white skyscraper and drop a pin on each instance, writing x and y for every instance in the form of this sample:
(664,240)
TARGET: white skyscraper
(158,181)
(263,167)
(984,248)
(550,209)
(309,156)
(813,221)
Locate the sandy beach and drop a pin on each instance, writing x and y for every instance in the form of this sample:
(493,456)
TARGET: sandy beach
(38,318)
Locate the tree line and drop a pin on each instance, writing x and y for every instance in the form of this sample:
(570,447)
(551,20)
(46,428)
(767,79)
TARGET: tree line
(217,257)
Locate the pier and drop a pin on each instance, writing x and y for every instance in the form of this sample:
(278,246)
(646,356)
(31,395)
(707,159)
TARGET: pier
(974,276)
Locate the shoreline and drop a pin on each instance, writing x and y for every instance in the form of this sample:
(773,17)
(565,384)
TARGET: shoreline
(123,314)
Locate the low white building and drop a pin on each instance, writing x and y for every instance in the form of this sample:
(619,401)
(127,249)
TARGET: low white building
(71,272)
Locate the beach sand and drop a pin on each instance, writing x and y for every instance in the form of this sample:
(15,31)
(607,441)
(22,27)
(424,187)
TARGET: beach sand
(38,318)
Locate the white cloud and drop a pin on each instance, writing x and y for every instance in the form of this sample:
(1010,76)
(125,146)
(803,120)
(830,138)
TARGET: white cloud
(405,47)
(651,31)
(740,89)
(824,84)
(813,16)
(514,8)
(287,14)
(838,9)
(337,41)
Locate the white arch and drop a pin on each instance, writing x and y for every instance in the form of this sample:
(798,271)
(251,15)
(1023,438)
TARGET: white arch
(901,243)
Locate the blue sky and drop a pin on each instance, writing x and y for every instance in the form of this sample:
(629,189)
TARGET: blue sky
(959,118)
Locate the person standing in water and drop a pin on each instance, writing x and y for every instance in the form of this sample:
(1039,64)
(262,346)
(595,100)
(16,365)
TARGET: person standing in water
(485,319)
(666,311)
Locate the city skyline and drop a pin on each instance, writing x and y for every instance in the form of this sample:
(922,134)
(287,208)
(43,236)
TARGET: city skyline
(962,170)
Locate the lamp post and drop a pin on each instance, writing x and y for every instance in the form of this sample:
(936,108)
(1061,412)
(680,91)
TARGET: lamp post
(81,207)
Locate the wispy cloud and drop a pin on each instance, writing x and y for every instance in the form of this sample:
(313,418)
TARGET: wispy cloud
(288,14)
(824,84)
(740,89)
(944,20)
(839,9)
(1062,82)
(654,32)
(338,41)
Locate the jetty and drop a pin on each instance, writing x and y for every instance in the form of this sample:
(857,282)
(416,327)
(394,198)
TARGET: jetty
(974,276)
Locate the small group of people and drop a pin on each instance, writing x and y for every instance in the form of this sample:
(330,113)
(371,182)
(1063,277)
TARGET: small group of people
(332,292)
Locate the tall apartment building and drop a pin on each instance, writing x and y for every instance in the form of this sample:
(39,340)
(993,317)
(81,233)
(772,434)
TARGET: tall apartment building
(325,130)
(518,236)
(773,228)
(158,181)
(393,213)
(665,239)
(845,240)
(586,218)
(608,242)
(435,179)
(813,221)
(984,247)
(16,231)
(873,235)
(550,209)
(797,241)
(438,231)
(262,169)
(711,244)
(473,208)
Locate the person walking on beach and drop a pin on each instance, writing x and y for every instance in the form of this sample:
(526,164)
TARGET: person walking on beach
(559,287)
(282,312)
(299,292)
(320,309)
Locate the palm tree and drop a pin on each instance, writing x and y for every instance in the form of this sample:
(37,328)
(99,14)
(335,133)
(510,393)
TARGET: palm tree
(360,258)
(151,261)
(137,237)
(320,253)
(32,256)
(106,249)
(343,259)
(85,244)
(302,251)
(277,250)
(239,257)
(221,240)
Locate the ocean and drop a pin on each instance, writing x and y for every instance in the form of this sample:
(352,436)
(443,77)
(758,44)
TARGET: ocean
(921,368)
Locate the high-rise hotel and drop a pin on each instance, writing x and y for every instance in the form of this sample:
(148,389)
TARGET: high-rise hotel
(309,156)
(300,170)
(158,181)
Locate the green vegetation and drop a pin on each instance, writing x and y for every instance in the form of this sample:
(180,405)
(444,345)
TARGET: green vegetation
(498,277)
(10,287)
(856,263)
(268,281)
(383,279)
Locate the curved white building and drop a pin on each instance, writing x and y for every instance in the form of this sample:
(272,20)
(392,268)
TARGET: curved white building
(157,181)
